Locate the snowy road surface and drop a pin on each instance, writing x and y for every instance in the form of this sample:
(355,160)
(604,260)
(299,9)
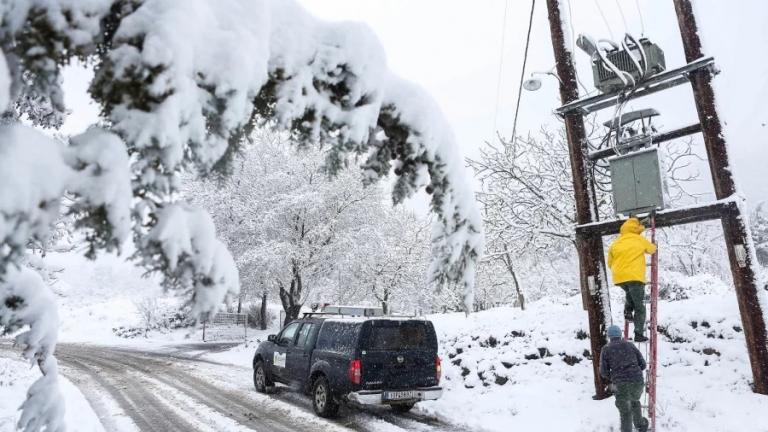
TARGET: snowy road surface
(133,390)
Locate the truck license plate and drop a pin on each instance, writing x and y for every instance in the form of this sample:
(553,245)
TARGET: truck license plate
(401,395)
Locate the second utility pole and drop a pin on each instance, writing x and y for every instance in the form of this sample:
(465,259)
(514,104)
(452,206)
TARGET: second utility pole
(737,237)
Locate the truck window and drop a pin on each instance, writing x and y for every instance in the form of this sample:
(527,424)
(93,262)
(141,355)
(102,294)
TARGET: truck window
(338,337)
(288,334)
(400,335)
(304,333)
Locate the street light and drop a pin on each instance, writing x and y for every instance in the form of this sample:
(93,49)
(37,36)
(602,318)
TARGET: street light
(533,83)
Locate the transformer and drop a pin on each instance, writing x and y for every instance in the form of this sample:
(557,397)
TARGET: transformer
(606,80)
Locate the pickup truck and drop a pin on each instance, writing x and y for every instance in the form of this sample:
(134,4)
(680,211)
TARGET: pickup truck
(368,361)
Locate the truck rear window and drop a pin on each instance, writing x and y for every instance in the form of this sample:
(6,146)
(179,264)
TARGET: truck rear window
(400,335)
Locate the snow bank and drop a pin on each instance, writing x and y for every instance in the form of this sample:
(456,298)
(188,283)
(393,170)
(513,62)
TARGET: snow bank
(531,369)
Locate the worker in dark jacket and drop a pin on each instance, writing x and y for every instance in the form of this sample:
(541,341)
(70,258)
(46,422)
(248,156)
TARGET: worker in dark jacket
(626,259)
(622,364)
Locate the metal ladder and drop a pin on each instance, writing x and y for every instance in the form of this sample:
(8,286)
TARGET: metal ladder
(651,348)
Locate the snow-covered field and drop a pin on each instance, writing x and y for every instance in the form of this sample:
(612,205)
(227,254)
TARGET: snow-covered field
(513,369)
(504,369)
(507,369)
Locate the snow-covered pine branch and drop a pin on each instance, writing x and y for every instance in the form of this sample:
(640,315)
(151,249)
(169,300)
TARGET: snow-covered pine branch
(181,86)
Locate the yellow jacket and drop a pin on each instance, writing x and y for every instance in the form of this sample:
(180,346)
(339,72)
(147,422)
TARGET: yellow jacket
(626,256)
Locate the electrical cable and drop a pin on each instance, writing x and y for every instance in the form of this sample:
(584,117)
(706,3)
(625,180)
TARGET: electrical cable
(623,18)
(642,20)
(605,21)
(573,43)
(501,66)
(522,71)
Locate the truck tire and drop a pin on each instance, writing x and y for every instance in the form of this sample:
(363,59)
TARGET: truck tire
(322,399)
(260,380)
(402,408)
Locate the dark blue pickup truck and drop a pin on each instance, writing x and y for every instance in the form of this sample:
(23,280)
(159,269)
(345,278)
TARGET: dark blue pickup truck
(382,361)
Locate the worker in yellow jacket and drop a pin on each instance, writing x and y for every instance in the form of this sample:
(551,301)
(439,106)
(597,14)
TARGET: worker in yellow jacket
(626,259)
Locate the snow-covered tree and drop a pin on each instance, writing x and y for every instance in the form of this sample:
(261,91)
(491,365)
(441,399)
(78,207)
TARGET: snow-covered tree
(529,209)
(290,224)
(180,86)
(759,225)
(394,265)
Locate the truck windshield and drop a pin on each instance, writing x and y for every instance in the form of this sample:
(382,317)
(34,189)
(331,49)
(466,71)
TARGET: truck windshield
(402,335)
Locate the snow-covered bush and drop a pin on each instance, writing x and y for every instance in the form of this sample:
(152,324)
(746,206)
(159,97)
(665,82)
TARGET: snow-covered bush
(181,86)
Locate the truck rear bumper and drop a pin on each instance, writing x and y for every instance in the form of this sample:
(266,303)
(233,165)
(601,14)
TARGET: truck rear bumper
(377,397)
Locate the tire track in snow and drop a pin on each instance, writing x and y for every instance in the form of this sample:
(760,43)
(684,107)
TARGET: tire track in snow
(228,405)
(222,390)
(140,405)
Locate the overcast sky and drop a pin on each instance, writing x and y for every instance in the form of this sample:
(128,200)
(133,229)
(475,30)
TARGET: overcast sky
(454,49)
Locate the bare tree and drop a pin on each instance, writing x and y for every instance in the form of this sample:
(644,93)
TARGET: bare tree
(148,311)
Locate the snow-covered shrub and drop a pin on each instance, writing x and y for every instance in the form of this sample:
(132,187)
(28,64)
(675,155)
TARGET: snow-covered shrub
(676,286)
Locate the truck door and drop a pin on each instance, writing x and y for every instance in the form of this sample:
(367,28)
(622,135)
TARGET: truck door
(285,340)
(299,355)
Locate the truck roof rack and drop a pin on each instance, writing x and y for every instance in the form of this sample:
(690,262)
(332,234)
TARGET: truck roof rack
(352,311)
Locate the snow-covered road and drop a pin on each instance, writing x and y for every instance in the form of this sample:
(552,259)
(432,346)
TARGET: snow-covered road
(174,391)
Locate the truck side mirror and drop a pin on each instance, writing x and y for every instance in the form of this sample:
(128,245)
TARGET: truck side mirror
(272,338)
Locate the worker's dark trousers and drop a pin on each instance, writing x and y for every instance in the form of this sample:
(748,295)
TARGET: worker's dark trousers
(628,402)
(634,305)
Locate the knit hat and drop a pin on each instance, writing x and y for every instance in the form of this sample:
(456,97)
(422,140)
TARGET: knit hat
(614,332)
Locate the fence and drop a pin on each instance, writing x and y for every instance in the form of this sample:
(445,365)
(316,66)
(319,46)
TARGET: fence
(225,326)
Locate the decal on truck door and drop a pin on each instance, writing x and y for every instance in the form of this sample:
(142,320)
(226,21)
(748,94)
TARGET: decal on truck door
(279,359)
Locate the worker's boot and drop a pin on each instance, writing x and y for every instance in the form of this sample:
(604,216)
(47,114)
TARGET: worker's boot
(640,338)
(644,423)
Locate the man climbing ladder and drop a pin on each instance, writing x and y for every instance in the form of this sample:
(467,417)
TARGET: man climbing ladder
(626,258)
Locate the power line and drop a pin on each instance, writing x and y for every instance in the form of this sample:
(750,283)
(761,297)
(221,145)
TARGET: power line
(623,18)
(522,71)
(642,20)
(605,20)
(501,64)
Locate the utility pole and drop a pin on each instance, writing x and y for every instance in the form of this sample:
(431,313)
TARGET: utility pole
(589,246)
(734,228)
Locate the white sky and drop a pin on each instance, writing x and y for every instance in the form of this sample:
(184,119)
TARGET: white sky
(453,49)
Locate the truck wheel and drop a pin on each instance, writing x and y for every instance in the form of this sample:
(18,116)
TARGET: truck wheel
(402,408)
(260,380)
(322,399)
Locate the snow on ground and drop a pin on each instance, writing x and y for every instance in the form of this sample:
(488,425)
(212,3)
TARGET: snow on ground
(16,377)
(508,368)
(514,370)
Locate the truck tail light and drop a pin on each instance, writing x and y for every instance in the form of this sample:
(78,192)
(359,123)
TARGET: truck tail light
(438,368)
(355,371)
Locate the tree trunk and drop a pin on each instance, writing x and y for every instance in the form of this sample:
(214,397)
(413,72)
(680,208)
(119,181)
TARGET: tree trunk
(511,269)
(290,298)
(385,303)
(263,312)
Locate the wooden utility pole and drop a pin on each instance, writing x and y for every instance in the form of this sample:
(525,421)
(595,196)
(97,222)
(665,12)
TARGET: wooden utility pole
(590,246)
(734,227)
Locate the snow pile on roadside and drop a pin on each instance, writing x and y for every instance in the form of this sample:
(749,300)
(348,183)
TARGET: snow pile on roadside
(15,379)
(521,369)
